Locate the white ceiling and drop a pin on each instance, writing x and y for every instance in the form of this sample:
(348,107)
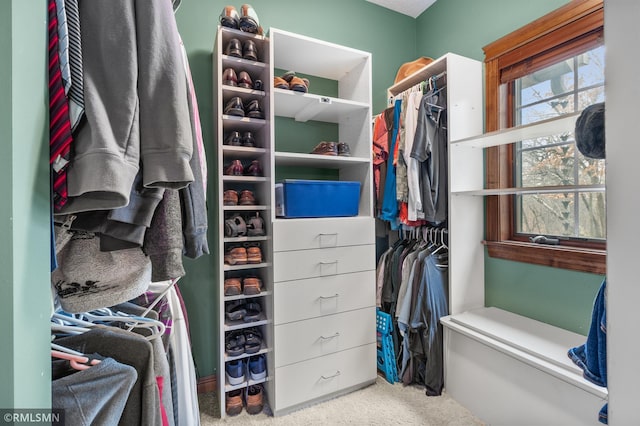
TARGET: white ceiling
(412,8)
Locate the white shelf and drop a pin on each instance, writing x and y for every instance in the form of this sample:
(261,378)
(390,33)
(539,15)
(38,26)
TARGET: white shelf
(533,342)
(243,208)
(228,91)
(243,151)
(239,64)
(240,324)
(245,266)
(307,106)
(434,68)
(230,178)
(263,350)
(244,122)
(244,239)
(315,57)
(243,385)
(552,126)
(533,190)
(319,161)
(247,296)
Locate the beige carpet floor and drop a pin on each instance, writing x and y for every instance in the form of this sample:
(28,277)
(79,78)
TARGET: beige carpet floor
(381,404)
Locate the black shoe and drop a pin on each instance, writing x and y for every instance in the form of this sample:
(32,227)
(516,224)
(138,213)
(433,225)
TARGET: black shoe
(234,107)
(250,51)
(248,140)
(343,149)
(244,80)
(257,85)
(249,19)
(233,139)
(230,17)
(229,77)
(253,109)
(234,48)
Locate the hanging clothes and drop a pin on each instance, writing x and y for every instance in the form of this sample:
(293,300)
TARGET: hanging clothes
(430,149)
(414,291)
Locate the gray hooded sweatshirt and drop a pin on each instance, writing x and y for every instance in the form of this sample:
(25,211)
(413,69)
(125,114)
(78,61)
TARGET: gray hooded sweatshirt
(136,104)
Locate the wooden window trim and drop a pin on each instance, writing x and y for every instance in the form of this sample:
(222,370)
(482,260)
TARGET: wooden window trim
(581,20)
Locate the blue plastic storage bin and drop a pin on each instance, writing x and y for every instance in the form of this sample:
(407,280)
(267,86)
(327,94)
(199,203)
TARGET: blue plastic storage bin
(317,198)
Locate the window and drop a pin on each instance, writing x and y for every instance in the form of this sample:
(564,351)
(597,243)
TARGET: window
(551,67)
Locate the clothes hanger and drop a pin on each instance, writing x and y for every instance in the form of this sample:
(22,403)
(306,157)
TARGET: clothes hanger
(101,316)
(78,362)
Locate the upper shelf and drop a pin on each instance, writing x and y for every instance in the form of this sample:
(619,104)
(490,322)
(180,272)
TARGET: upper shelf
(306,106)
(314,57)
(561,124)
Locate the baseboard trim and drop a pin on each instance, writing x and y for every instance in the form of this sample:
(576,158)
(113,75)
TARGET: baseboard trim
(208,384)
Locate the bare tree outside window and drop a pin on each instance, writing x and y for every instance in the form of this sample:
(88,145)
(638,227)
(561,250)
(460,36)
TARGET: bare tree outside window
(562,88)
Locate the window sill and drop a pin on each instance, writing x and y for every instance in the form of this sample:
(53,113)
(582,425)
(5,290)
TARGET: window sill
(576,259)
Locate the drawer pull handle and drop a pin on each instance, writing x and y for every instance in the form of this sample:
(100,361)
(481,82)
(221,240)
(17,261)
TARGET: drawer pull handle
(331,377)
(330,337)
(323,234)
(329,297)
(329,263)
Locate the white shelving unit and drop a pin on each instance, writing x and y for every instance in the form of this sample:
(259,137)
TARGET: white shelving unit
(260,187)
(519,368)
(324,268)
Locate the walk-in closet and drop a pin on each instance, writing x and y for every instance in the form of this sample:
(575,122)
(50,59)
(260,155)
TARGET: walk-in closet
(285,212)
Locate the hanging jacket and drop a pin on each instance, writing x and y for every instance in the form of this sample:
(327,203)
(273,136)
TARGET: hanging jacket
(136,109)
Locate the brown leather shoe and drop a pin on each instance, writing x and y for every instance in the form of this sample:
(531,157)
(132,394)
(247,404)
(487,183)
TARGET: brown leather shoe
(280,83)
(247,198)
(254,255)
(230,198)
(229,77)
(298,84)
(234,402)
(254,169)
(244,80)
(234,169)
(326,148)
(251,285)
(254,399)
(232,287)
(236,256)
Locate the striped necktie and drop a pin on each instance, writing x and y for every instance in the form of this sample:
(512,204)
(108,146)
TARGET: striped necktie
(59,125)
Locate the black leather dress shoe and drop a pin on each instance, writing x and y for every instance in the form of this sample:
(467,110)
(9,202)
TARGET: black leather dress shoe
(253,109)
(234,48)
(233,139)
(248,139)
(250,51)
(234,107)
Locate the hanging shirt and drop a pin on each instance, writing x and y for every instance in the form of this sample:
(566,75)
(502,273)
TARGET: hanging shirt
(430,149)
(390,203)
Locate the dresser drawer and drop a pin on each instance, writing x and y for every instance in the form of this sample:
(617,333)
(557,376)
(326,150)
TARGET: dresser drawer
(302,340)
(302,234)
(315,297)
(304,381)
(296,265)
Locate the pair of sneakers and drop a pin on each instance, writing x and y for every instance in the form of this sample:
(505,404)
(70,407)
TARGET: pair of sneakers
(254,368)
(253,395)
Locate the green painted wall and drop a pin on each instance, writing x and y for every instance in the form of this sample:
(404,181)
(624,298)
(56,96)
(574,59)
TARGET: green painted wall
(389,36)
(25,295)
(551,295)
